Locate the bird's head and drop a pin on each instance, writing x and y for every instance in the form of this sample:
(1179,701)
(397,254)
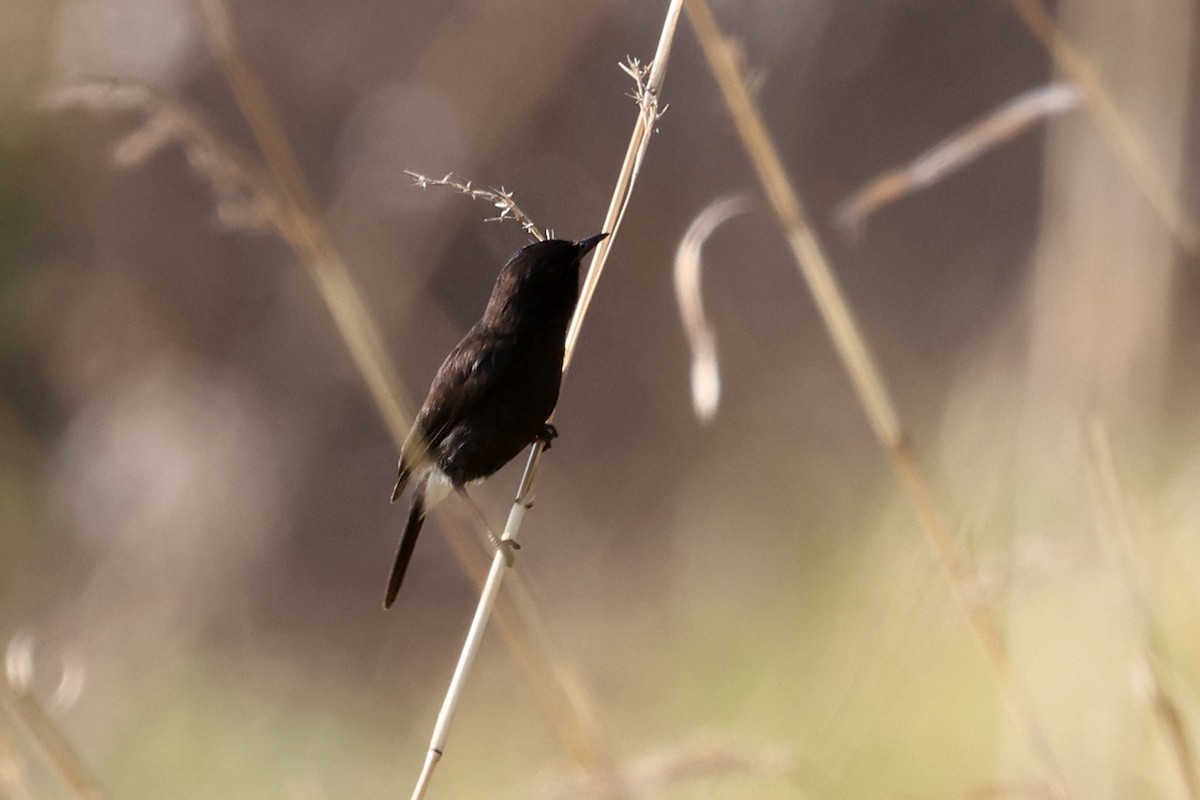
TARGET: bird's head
(553,257)
(540,283)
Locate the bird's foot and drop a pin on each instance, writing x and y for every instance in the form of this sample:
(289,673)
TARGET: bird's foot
(506,546)
(549,434)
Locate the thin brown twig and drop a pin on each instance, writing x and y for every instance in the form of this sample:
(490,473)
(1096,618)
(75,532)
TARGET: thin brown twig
(865,375)
(499,198)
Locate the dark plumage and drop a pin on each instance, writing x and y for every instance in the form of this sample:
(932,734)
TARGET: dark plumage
(493,393)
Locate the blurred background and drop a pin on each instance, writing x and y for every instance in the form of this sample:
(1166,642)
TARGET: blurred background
(194,526)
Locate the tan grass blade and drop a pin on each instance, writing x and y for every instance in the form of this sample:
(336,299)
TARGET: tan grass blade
(956,151)
(865,375)
(1111,123)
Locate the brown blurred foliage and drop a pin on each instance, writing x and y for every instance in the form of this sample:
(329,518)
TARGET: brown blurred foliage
(194,480)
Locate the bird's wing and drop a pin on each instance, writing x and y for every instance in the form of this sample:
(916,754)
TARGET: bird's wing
(465,377)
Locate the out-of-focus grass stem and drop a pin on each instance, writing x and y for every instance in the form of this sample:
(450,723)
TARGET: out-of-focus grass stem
(66,762)
(1110,122)
(648,80)
(865,375)
(553,681)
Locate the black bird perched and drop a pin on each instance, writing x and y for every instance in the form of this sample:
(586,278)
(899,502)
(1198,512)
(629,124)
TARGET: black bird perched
(494,392)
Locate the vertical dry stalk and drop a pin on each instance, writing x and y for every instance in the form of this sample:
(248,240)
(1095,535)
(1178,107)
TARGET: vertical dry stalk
(867,379)
(57,748)
(1115,526)
(558,689)
(649,84)
(1110,122)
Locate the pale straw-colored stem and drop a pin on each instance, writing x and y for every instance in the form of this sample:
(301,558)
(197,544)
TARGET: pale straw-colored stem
(66,762)
(1115,526)
(552,680)
(865,375)
(311,243)
(957,150)
(1111,123)
(648,101)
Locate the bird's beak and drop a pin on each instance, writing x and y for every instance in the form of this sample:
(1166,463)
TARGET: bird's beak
(585,245)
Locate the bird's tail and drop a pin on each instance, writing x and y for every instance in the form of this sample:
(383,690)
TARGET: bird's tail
(416,517)
(401,480)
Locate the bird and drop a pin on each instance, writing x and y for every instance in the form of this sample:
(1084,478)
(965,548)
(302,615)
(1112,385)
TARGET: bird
(496,389)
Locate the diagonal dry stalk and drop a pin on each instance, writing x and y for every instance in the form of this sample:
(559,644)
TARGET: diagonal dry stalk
(13,781)
(23,706)
(247,199)
(309,238)
(568,706)
(554,683)
(1111,122)
(1115,526)
(865,375)
(956,151)
(649,82)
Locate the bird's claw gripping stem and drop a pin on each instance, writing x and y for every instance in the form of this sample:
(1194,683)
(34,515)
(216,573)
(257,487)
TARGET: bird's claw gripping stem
(507,546)
(549,434)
